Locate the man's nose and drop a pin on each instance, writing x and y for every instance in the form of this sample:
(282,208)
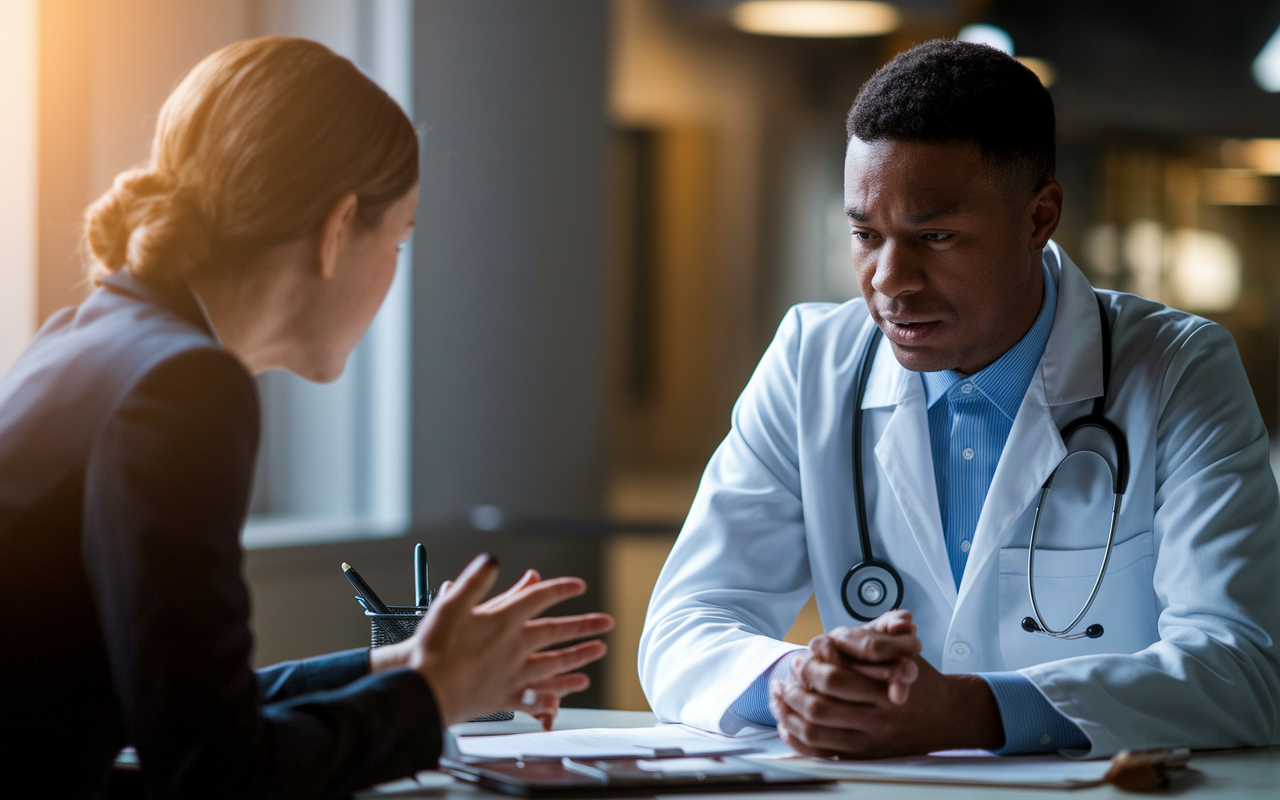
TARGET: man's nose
(896,271)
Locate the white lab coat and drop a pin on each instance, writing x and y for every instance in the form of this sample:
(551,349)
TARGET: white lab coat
(1191,600)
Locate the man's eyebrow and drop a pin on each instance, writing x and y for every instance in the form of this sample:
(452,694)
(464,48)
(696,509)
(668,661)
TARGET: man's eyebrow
(928,214)
(858,215)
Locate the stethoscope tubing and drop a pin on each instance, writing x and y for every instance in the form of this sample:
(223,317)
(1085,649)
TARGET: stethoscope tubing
(1066,633)
(1095,419)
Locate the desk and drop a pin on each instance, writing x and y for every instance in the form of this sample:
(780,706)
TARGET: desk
(1228,774)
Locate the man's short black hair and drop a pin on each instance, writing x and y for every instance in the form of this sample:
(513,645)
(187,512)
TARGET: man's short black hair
(945,90)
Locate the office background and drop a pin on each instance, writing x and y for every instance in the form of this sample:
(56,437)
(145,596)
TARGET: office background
(619,200)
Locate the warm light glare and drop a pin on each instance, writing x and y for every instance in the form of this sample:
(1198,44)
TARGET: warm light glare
(1043,69)
(1205,270)
(1261,155)
(1235,187)
(989,35)
(816,18)
(1266,67)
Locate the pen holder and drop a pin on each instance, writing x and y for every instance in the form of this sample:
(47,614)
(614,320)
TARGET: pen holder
(396,626)
(400,625)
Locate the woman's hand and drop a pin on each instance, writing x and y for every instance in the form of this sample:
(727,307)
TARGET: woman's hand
(485,657)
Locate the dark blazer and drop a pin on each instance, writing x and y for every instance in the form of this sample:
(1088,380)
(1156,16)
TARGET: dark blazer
(127,444)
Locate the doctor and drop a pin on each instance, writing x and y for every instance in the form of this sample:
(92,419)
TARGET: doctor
(982,342)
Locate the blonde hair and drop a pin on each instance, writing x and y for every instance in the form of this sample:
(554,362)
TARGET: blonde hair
(252,149)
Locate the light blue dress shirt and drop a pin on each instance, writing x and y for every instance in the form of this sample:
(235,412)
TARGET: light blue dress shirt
(969,422)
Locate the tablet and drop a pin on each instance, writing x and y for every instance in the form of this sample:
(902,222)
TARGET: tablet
(582,777)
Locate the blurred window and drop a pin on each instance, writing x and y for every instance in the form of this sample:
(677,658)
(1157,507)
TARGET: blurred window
(334,459)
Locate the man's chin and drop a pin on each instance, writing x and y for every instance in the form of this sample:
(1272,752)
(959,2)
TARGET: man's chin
(921,358)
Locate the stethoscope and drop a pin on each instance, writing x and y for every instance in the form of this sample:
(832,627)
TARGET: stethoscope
(873,587)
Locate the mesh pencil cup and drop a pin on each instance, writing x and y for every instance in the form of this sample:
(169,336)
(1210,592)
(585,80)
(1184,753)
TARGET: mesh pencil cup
(400,625)
(396,626)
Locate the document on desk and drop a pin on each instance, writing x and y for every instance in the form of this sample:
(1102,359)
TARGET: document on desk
(969,767)
(658,741)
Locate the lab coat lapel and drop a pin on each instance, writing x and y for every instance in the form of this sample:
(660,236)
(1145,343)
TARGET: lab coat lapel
(1070,370)
(905,458)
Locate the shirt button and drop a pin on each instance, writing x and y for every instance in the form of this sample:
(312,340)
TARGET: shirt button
(964,546)
(967,453)
(967,388)
(960,651)
(1046,739)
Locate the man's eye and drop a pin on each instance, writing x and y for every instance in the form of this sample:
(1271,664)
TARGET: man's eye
(936,237)
(863,235)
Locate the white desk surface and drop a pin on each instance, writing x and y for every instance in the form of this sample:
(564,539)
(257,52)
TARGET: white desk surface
(1228,774)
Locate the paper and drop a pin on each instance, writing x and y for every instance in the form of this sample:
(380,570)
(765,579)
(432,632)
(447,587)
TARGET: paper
(660,740)
(952,767)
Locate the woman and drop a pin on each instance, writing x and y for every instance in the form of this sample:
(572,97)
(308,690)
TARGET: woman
(262,234)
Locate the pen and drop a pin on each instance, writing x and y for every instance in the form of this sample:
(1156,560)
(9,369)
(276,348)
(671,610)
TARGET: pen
(420,573)
(371,599)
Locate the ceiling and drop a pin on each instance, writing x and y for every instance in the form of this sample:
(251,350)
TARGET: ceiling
(1158,68)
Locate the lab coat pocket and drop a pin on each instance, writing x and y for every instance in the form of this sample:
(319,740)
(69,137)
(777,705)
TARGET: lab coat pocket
(1125,605)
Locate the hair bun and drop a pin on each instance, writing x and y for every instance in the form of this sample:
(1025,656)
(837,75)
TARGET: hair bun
(147,222)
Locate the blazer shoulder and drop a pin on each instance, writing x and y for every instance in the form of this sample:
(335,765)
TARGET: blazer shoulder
(84,363)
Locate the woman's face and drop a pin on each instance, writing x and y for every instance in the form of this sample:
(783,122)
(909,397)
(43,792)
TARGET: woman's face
(366,265)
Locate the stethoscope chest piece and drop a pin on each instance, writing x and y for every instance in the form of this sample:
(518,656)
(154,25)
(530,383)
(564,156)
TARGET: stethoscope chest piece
(870,589)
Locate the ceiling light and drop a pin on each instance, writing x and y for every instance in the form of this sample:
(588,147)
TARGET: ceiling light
(1266,67)
(816,18)
(989,35)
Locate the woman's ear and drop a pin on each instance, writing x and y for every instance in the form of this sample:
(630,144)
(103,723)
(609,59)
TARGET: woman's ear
(335,234)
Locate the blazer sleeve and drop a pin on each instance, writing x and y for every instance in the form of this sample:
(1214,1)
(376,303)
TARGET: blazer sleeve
(166,490)
(292,678)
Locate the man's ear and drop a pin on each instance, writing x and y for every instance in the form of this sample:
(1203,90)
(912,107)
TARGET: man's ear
(1046,213)
(334,234)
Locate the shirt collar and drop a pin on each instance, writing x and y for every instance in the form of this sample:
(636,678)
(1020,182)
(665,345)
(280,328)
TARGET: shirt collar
(1005,381)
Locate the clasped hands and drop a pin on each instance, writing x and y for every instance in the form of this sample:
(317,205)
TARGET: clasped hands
(481,657)
(865,692)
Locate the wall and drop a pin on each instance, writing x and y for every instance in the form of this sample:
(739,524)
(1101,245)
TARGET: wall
(105,69)
(509,261)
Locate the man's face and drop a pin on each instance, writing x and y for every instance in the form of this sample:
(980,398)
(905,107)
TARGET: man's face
(947,254)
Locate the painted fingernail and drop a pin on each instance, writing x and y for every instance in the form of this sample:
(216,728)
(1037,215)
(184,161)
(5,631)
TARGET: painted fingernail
(529,697)
(490,560)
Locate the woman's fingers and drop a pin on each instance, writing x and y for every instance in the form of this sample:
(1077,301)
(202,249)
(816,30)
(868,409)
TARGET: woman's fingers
(475,581)
(533,600)
(547,694)
(497,602)
(561,685)
(548,664)
(544,632)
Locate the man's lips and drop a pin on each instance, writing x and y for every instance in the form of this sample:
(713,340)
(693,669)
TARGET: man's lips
(909,332)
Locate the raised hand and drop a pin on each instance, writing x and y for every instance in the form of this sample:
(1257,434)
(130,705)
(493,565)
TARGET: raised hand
(482,657)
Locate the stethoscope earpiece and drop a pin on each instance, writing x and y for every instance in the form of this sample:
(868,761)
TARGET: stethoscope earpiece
(1094,631)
